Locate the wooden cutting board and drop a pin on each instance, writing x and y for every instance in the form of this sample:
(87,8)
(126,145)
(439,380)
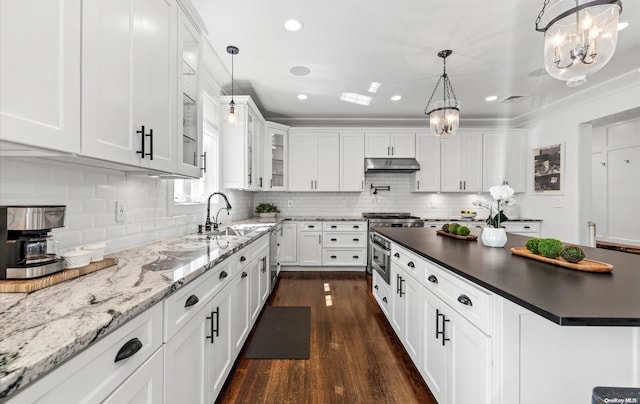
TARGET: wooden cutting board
(30,285)
(584,265)
(444,233)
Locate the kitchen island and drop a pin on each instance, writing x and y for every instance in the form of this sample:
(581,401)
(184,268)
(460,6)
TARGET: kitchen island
(483,324)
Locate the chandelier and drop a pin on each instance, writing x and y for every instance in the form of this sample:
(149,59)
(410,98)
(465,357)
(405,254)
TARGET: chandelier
(232,118)
(581,40)
(444,115)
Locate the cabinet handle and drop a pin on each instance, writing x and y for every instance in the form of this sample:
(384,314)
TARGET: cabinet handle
(356,239)
(334,239)
(362,185)
(432,279)
(464,299)
(333,226)
(438,314)
(150,135)
(141,151)
(191,300)
(357,226)
(375,287)
(444,330)
(433,226)
(319,238)
(223,275)
(418,184)
(384,299)
(260,183)
(392,151)
(402,292)
(244,274)
(464,184)
(264,264)
(527,227)
(243,258)
(215,332)
(311,184)
(460,186)
(398,283)
(128,349)
(388,150)
(333,257)
(204,162)
(311,226)
(271,183)
(411,264)
(397,255)
(249,179)
(355,257)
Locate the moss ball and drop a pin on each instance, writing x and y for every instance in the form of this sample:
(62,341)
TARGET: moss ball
(572,253)
(445,227)
(532,245)
(463,231)
(550,247)
(453,228)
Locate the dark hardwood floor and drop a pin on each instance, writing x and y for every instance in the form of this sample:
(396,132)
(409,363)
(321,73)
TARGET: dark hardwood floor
(355,355)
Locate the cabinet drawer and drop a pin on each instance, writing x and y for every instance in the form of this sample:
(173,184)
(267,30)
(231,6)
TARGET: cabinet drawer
(406,260)
(257,246)
(345,239)
(522,227)
(469,300)
(92,375)
(310,226)
(343,257)
(180,307)
(344,226)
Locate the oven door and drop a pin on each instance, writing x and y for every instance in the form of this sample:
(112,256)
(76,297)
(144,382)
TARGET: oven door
(381,261)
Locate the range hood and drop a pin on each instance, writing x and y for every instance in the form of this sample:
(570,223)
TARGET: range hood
(389,165)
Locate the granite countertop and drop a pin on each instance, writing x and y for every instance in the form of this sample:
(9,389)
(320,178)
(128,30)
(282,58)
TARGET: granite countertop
(42,329)
(564,296)
(324,219)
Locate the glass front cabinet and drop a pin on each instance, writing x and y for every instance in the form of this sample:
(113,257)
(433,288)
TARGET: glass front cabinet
(275,153)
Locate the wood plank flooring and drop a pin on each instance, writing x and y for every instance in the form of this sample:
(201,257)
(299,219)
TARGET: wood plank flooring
(355,355)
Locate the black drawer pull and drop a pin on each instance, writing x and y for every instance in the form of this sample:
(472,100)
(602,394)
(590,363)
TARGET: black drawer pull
(411,264)
(334,226)
(223,275)
(311,226)
(432,279)
(191,300)
(128,349)
(356,227)
(527,227)
(433,227)
(243,258)
(397,255)
(244,274)
(375,287)
(464,299)
(333,257)
(334,239)
(355,257)
(356,239)
(384,299)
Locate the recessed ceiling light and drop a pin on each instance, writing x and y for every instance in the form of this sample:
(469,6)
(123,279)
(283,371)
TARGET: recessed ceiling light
(622,25)
(356,98)
(374,86)
(302,96)
(396,98)
(300,70)
(293,25)
(491,98)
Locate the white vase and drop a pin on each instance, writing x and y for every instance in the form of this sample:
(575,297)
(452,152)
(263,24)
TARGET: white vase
(492,237)
(267,214)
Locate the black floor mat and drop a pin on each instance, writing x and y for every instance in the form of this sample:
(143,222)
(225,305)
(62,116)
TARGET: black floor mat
(283,332)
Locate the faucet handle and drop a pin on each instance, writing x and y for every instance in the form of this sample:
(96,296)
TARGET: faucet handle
(200,228)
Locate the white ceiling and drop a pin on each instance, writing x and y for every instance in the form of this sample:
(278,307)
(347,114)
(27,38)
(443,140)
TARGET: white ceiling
(347,44)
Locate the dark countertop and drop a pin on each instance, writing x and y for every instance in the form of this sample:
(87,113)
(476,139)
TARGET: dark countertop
(475,219)
(564,296)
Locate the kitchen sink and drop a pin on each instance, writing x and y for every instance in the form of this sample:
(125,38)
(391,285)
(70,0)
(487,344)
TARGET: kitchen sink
(238,231)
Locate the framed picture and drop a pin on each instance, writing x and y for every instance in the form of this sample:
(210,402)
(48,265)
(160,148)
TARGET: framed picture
(548,166)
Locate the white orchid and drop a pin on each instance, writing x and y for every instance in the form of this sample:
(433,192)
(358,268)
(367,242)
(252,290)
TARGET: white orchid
(503,195)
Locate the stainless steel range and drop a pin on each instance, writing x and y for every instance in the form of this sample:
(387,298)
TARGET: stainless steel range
(379,247)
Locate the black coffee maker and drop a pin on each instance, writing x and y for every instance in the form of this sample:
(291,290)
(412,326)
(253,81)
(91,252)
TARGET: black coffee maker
(28,251)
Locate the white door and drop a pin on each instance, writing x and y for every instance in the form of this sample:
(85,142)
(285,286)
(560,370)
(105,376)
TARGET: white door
(220,356)
(516,161)
(352,162)
(302,164)
(40,73)
(598,197)
(623,194)
(143,386)
(240,299)
(433,364)
(288,241)
(186,376)
(275,158)
(327,159)
(428,156)
(377,145)
(471,162)
(402,145)
(310,251)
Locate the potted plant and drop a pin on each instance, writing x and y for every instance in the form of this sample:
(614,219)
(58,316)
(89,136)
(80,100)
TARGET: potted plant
(494,235)
(266,210)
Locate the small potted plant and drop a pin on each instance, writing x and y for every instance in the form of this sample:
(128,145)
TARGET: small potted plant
(267,210)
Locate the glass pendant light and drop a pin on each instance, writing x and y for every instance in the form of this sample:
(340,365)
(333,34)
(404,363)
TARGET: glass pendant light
(444,115)
(232,117)
(581,40)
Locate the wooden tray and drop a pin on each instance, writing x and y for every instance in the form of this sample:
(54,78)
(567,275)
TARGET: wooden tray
(31,285)
(584,265)
(444,233)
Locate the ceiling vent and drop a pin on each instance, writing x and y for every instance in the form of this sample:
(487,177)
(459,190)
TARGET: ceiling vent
(512,99)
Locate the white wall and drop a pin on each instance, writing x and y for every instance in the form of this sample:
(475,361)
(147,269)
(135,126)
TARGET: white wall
(569,121)
(90,195)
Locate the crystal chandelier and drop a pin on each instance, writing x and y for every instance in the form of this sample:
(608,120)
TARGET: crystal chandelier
(581,40)
(444,115)
(232,118)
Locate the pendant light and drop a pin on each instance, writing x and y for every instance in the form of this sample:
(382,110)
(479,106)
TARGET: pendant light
(580,40)
(444,115)
(232,118)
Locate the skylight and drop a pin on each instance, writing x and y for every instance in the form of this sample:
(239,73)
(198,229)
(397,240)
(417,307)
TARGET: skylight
(356,98)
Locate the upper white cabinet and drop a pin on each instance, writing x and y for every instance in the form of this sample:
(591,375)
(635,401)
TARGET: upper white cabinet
(40,73)
(314,161)
(129,83)
(427,179)
(385,144)
(461,163)
(275,153)
(190,155)
(504,159)
(352,161)
(242,145)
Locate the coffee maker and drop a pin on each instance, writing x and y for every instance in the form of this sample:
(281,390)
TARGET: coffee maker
(28,251)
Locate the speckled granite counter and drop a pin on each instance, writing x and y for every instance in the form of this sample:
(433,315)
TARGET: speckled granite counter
(42,329)
(325,219)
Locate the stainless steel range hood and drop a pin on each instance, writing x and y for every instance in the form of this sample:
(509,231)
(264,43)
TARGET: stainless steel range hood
(388,165)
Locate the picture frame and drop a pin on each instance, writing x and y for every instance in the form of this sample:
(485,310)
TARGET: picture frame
(548,169)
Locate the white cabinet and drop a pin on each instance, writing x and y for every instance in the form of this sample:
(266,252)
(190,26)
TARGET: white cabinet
(242,150)
(129,82)
(288,241)
(384,144)
(344,243)
(143,386)
(405,304)
(352,161)
(461,163)
(220,356)
(382,293)
(427,179)
(314,161)
(275,157)
(40,73)
(259,284)
(243,305)
(190,155)
(504,159)
(310,244)
(530,229)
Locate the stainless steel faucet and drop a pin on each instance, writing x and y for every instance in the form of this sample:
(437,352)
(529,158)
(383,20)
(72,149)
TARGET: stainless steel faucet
(207,224)
(216,223)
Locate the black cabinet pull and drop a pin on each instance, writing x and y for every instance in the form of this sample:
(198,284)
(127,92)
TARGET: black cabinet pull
(214,326)
(411,264)
(433,227)
(438,332)
(464,299)
(384,299)
(141,151)
(527,227)
(260,182)
(397,255)
(333,257)
(223,275)
(356,227)
(432,279)
(402,292)
(375,287)
(311,226)
(356,239)
(398,283)
(334,239)
(150,135)
(355,257)
(444,330)
(243,258)
(128,349)
(244,274)
(204,162)
(333,226)
(191,300)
